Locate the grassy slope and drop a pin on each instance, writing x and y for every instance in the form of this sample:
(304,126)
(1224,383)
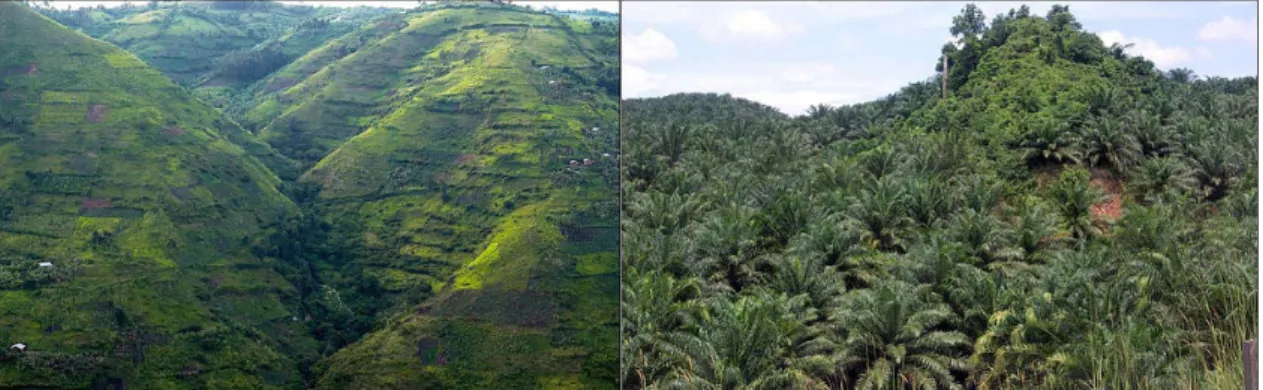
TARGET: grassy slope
(183,41)
(461,186)
(147,214)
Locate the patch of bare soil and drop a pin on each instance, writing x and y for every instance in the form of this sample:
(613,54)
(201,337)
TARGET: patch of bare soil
(1113,208)
(465,158)
(174,131)
(93,204)
(96,113)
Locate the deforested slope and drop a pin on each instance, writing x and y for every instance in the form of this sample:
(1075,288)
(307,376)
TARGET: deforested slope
(127,212)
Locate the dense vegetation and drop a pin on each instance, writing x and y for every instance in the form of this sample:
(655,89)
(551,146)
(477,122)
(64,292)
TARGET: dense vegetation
(145,202)
(215,48)
(461,189)
(1068,216)
(414,198)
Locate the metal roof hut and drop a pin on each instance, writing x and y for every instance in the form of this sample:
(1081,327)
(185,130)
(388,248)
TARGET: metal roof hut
(45,264)
(18,347)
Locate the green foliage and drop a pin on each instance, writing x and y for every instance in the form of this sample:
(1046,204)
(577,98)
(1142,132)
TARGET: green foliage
(145,201)
(476,256)
(1067,217)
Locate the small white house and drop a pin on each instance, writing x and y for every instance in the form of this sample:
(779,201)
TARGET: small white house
(605,154)
(545,67)
(596,129)
(43,264)
(551,82)
(18,347)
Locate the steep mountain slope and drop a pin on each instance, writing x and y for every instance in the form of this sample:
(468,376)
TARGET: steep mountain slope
(146,204)
(216,48)
(340,89)
(460,186)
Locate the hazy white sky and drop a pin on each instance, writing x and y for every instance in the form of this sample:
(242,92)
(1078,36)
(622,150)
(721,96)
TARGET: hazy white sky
(791,55)
(608,6)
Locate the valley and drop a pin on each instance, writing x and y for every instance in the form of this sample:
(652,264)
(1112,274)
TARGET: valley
(255,195)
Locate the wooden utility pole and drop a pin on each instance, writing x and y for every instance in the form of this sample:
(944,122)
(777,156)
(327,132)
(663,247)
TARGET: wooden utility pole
(945,76)
(1250,361)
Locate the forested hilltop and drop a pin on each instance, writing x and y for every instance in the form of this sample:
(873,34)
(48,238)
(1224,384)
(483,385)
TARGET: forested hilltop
(248,195)
(1067,217)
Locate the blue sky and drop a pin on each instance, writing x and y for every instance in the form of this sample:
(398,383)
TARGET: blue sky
(791,55)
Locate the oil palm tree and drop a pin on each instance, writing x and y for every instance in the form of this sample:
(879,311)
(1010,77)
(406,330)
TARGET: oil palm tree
(1154,138)
(726,240)
(669,141)
(666,212)
(929,198)
(983,237)
(1074,197)
(1162,178)
(1215,167)
(839,243)
(879,210)
(1049,141)
(881,161)
(750,340)
(891,328)
(658,324)
(1107,144)
(1023,345)
(808,276)
(1035,231)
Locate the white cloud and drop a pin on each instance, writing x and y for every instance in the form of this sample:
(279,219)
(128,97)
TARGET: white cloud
(806,72)
(1203,53)
(650,45)
(1162,56)
(1229,29)
(637,81)
(749,25)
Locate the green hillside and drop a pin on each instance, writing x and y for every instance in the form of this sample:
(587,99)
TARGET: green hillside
(460,187)
(147,202)
(1066,217)
(217,49)
(415,222)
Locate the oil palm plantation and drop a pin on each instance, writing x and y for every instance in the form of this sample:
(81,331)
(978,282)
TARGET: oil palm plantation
(891,328)
(1099,232)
